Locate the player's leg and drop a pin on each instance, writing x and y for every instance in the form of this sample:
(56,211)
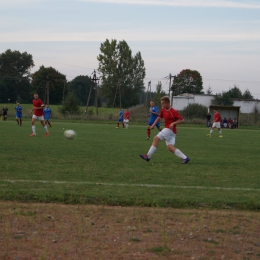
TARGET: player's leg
(220,132)
(17,120)
(33,125)
(48,122)
(20,121)
(44,125)
(117,124)
(148,131)
(211,130)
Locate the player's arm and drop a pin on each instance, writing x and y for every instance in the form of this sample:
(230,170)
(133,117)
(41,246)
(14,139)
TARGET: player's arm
(155,122)
(179,121)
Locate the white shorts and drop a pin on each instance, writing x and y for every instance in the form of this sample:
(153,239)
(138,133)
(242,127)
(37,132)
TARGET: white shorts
(41,118)
(167,135)
(126,120)
(216,124)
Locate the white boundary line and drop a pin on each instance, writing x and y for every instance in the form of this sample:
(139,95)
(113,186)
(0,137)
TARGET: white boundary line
(132,185)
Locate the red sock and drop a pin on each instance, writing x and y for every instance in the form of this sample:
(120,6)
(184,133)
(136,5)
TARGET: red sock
(123,125)
(117,124)
(148,132)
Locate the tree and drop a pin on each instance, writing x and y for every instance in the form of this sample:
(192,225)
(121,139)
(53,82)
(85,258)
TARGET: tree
(80,86)
(70,106)
(159,93)
(223,99)
(122,73)
(56,81)
(247,95)
(235,92)
(15,65)
(209,91)
(187,81)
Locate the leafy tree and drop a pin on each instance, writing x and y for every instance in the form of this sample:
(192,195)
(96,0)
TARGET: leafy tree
(122,73)
(70,106)
(187,81)
(15,64)
(7,93)
(57,83)
(195,111)
(209,91)
(159,93)
(223,99)
(247,95)
(80,86)
(235,92)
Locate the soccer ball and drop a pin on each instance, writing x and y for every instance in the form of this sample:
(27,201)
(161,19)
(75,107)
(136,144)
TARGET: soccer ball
(70,134)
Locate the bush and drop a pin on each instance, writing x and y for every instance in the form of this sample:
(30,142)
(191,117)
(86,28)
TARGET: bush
(195,111)
(70,106)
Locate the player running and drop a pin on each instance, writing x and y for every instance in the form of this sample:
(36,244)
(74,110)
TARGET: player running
(216,123)
(126,119)
(171,119)
(4,112)
(120,118)
(154,112)
(37,111)
(47,114)
(18,113)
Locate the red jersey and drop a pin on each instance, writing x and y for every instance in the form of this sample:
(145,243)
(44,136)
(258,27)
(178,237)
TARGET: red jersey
(38,103)
(217,117)
(170,116)
(127,115)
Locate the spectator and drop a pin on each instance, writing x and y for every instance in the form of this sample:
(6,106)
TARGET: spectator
(234,123)
(208,117)
(230,122)
(225,123)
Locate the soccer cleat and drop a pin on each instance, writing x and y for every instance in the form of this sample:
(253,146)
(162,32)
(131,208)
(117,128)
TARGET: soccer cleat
(208,135)
(32,134)
(47,134)
(147,138)
(145,157)
(117,127)
(220,136)
(184,161)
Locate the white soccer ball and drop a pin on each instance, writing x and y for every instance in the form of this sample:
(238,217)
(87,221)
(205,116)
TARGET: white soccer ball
(70,134)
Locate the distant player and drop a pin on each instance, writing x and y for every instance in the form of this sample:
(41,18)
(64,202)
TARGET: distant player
(171,119)
(120,118)
(126,118)
(154,112)
(37,111)
(216,123)
(5,112)
(47,114)
(18,114)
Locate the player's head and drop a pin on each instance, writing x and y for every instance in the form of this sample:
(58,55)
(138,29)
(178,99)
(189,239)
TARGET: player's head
(35,95)
(47,105)
(165,102)
(152,103)
(215,110)
(18,104)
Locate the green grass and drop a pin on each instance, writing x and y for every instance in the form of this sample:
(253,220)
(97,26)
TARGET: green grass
(102,166)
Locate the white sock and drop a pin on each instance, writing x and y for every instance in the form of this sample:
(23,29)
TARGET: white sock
(211,131)
(34,129)
(126,126)
(46,129)
(220,132)
(151,151)
(180,154)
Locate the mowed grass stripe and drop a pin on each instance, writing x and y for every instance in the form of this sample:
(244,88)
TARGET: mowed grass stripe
(103,154)
(132,185)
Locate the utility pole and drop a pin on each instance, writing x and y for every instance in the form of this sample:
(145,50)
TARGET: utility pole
(148,93)
(170,85)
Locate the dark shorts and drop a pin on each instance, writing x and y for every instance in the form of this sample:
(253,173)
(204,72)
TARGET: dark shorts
(157,125)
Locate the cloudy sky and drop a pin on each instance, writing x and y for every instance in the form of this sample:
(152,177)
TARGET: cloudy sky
(218,38)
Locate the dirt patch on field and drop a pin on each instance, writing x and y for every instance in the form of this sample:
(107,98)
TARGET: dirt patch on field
(54,231)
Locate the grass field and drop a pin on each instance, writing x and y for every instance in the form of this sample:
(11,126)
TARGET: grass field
(102,166)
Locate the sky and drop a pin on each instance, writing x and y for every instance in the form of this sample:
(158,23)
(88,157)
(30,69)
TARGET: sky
(218,38)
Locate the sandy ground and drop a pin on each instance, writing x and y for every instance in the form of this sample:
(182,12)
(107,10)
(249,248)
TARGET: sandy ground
(55,231)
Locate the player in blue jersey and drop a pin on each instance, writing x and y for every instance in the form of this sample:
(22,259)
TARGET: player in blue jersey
(47,115)
(18,113)
(120,118)
(154,112)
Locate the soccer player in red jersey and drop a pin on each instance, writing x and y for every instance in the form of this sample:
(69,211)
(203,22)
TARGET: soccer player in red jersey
(37,111)
(126,118)
(171,119)
(216,123)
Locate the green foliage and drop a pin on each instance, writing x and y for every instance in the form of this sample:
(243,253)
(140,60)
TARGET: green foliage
(235,92)
(57,83)
(194,111)
(247,95)
(80,86)
(15,65)
(209,91)
(70,106)
(122,73)
(223,99)
(187,81)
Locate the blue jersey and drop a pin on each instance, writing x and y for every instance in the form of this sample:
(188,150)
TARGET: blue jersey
(47,113)
(18,110)
(121,116)
(153,116)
